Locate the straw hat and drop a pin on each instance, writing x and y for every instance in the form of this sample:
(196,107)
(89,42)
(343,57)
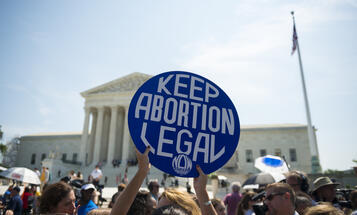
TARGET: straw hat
(323,181)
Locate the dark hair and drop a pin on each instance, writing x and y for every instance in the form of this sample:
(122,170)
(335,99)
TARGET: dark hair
(301,179)
(151,185)
(52,195)
(121,187)
(17,189)
(353,198)
(216,202)
(139,206)
(27,189)
(244,202)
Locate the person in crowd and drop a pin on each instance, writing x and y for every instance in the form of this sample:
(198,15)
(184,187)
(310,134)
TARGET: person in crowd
(44,178)
(303,201)
(126,198)
(324,190)
(57,198)
(96,175)
(218,206)
(27,200)
(143,204)
(72,175)
(121,187)
(15,204)
(176,197)
(353,199)
(36,195)
(245,206)
(232,199)
(154,187)
(7,195)
(85,203)
(298,181)
(323,209)
(280,199)
(79,175)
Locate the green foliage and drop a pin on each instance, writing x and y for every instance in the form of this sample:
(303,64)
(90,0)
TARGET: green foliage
(213,176)
(3,149)
(355,161)
(333,171)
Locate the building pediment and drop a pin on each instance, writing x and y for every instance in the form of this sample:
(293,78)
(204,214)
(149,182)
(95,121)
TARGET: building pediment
(127,83)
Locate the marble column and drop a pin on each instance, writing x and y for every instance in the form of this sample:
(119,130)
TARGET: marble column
(84,140)
(126,138)
(98,135)
(112,133)
(91,140)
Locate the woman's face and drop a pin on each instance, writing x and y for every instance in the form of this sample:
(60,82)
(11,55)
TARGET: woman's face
(163,202)
(67,204)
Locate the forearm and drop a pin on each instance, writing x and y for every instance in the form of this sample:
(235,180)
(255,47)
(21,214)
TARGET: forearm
(126,198)
(205,203)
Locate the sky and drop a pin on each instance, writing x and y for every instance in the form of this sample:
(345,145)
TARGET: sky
(50,51)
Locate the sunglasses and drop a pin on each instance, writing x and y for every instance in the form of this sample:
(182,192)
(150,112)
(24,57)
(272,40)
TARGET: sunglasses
(272,195)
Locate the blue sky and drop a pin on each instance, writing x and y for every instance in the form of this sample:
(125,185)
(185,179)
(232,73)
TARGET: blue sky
(50,51)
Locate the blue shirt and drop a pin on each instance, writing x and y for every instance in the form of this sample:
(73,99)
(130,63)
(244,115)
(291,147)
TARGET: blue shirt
(15,205)
(84,209)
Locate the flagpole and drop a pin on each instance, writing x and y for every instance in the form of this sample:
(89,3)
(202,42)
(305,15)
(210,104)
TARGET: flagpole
(315,163)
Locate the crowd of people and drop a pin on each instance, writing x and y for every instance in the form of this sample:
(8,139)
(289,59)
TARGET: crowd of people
(291,196)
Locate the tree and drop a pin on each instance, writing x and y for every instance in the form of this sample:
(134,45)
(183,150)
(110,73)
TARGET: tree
(11,152)
(3,149)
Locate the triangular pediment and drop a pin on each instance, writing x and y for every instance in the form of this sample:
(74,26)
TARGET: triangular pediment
(127,83)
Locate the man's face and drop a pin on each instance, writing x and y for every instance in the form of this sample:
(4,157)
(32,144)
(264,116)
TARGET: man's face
(293,182)
(275,201)
(87,194)
(155,188)
(327,193)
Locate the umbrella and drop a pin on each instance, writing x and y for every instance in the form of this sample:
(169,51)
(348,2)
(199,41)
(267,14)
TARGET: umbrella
(272,164)
(222,178)
(21,174)
(264,178)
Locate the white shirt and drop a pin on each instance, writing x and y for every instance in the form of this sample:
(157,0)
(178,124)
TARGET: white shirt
(96,173)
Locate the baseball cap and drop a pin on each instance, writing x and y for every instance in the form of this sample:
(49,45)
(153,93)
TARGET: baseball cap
(87,187)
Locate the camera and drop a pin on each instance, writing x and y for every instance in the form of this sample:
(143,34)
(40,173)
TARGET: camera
(260,208)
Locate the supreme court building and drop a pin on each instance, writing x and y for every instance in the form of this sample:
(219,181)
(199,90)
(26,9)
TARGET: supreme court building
(105,139)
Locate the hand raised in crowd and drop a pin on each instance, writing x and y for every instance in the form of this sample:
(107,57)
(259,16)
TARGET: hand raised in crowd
(126,198)
(143,160)
(199,183)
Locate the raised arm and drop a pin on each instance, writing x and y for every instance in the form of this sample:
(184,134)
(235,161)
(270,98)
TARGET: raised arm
(199,184)
(126,198)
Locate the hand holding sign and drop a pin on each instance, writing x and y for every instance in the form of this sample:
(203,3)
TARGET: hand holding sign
(186,120)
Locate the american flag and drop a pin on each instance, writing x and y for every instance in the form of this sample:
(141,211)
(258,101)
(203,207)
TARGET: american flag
(295,38)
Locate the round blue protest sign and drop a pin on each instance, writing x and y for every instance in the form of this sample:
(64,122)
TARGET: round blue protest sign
(186,120)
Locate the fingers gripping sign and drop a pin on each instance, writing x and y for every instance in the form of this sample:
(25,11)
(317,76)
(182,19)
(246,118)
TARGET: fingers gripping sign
(184,119)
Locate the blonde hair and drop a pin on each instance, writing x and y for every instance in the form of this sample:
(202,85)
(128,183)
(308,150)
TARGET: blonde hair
(182,199)
(324,209)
